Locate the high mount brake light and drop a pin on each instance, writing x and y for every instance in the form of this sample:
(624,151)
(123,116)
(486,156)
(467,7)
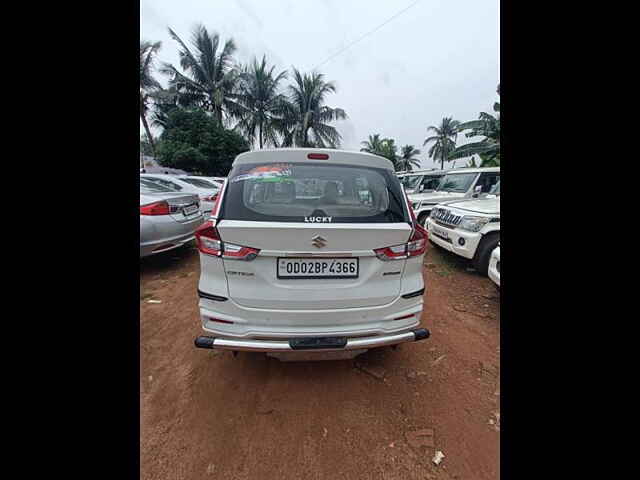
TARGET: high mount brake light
(156,208)
(318,156)
(210,243)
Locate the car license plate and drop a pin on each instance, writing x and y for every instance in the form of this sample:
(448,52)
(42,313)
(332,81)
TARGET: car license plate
(190,210)
(440,233)
(317,267)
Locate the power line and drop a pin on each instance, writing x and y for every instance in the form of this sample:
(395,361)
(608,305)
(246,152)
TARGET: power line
(367,34)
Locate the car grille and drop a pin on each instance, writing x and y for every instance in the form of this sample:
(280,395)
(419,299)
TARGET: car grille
(445,218)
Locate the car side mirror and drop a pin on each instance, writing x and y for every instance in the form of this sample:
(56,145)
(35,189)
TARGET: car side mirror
(477,190)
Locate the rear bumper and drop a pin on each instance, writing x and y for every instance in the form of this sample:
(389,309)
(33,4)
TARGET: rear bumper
(164,245)
(159,234)
(285,346)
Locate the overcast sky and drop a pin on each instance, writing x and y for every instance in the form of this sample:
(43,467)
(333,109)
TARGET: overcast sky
(439,58)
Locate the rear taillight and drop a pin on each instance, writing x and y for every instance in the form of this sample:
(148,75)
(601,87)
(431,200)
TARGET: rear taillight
(416,246)
(157,208)
(418,241)
(209,242)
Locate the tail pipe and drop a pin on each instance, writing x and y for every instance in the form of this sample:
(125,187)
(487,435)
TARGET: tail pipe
(204,342)
(421,334)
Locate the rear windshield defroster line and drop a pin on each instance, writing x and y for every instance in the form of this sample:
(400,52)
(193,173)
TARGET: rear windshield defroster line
(312,193)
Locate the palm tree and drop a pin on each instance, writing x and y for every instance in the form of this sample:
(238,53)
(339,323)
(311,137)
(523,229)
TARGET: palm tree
(306,118)
(487,126)
(383,147)
(445,140)
(406,161)
(163,102)
(210,78)
(373,145)
(148,84)
(262,104)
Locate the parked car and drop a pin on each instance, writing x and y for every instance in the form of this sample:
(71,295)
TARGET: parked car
(203,182)
(168,219)
(456,184)
(206,194)
(494,266)
(296,259)
(422,181)
(469,227)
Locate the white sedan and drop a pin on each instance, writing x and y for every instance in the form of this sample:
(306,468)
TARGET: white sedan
(205,191)
(494,266)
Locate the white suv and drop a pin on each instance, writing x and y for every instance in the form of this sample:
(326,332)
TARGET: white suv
(469,228)
(456,184)
(310,249)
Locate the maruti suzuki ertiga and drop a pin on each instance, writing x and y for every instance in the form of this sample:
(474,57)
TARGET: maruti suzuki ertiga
(310,250)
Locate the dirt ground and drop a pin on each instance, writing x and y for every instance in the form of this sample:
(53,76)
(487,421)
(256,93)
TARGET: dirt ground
(206,414)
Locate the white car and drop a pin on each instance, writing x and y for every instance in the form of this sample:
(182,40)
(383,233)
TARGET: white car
(469,228)
(422,181)
(311,251)
(207,193)
(457,184)
(204,181)
(494,266)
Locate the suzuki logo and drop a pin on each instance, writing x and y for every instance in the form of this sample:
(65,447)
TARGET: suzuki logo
(318,241)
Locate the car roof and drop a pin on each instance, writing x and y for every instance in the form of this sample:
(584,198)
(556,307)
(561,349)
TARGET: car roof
(286,155)
(474,170)
(427,172)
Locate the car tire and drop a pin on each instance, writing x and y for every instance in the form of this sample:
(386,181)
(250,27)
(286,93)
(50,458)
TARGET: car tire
(483,253)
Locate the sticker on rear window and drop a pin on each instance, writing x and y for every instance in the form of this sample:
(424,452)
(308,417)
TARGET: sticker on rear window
(279,172)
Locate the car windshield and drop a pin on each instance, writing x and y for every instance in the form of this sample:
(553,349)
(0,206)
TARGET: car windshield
(292,192)
(456,182)
(411,181)
(201,183)
(147,186)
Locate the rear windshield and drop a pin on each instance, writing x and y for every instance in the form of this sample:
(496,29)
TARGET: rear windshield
(196,182)
(328,193)
(174,187)
(147,186)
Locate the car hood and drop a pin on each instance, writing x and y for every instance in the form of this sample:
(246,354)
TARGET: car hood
(436,197)
(490,206)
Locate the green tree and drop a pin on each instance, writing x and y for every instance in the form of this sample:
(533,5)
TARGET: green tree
(372,145)
(145,146)
(383,147)
(306,118)
(148,84)
(196,142)
(444,138)
(209,80)
(487,126)
(407,159)
(262,105)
